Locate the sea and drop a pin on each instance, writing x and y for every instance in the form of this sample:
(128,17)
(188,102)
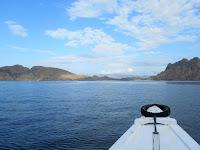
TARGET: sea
(87,115)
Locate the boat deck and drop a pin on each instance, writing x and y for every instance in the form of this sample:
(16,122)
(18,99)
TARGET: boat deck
(140,136)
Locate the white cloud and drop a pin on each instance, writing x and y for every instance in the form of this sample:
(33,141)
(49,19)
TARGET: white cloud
(103,61)
(151,22)
(42,51)
(102,43)
(20,48)
(119,71)
(91,8)
(73,43)
(10,22)
(86,36)
(155,22)
(107,65)
(77,59)
(115,64)
(130,70)
(16,29)
(59,33)
(191,38)
(150,53)
(111,48)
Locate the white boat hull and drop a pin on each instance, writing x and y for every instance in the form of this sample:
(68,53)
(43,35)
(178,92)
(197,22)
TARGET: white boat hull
(140,136)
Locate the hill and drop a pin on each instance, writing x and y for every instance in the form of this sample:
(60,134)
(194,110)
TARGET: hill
(20,73)
(181,70)
(39,73)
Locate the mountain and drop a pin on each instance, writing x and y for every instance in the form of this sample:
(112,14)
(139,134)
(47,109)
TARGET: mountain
(20,73)
(181,70)
(39,73)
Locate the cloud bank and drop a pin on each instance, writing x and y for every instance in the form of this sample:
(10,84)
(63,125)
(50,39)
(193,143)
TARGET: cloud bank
(102,42)
(150,22)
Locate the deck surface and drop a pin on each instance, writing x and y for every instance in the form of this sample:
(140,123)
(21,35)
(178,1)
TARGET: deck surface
(140,136)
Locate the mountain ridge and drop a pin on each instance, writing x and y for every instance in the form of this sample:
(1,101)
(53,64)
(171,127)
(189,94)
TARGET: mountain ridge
(20,73)
(182,70)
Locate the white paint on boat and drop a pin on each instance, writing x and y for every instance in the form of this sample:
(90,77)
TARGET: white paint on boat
(156,141)
(140,136)
(154,109)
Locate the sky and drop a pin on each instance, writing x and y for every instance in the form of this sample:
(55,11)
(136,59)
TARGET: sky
(99,37)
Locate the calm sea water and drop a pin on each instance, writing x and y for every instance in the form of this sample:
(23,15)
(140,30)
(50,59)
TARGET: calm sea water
(87,115)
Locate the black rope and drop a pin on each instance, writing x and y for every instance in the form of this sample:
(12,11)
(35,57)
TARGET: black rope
(154,123)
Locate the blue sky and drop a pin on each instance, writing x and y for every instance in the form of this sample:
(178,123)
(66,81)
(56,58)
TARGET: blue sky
(103,37)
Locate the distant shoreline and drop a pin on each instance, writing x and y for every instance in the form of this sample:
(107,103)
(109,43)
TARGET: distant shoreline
(82,80)
(183,70)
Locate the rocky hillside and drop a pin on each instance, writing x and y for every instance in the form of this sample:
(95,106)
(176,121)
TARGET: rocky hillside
(18,72)
(181,70)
